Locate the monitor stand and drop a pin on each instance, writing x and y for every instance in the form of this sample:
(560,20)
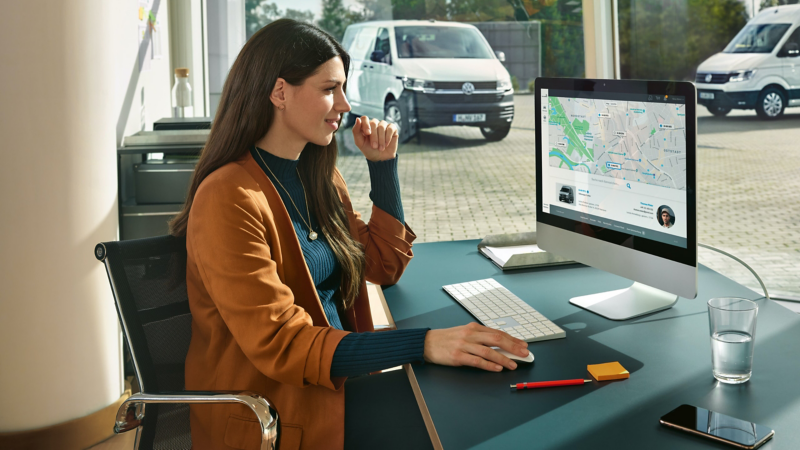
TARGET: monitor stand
(628,303)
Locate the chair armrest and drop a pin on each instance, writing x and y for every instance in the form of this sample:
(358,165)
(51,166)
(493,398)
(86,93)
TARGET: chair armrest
(131,412)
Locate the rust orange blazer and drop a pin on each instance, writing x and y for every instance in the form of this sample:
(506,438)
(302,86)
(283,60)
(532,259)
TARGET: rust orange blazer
(257,322)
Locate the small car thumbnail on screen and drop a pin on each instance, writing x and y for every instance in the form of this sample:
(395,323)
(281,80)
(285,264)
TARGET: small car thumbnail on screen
(566,194)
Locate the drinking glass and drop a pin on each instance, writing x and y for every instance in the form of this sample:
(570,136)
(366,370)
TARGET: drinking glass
(732,322)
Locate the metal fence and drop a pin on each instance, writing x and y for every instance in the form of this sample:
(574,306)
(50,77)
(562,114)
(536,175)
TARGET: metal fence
(521,43)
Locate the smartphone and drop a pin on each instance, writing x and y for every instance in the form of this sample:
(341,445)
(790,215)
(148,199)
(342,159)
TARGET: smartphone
(729,430)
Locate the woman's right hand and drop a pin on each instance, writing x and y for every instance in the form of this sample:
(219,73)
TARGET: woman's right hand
(377,139)
(470,345)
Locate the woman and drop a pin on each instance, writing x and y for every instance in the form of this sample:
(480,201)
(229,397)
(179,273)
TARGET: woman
(277,259)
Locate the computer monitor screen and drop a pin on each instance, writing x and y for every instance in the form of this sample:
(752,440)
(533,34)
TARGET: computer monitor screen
(616,164)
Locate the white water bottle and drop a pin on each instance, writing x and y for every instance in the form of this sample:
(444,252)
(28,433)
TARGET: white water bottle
(182,94)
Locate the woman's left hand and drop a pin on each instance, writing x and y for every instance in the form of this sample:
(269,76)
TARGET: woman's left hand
(376,139)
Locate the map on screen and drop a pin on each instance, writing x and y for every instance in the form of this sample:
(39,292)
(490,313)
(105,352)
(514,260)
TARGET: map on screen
(641,142)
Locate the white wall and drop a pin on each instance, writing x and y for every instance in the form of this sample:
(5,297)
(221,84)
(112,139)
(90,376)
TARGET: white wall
(70,87)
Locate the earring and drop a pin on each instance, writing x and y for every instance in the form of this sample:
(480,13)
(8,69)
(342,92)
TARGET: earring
(282,107)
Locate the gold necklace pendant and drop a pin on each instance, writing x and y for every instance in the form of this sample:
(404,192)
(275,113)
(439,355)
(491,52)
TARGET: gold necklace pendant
(312,234)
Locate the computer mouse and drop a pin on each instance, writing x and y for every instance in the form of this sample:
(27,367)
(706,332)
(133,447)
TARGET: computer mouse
(528,359)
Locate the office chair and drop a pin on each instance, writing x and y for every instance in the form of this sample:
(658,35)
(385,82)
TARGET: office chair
(148,280)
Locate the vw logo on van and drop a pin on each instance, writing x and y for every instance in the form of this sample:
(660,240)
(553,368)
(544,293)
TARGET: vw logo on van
(708,78)
(468,88)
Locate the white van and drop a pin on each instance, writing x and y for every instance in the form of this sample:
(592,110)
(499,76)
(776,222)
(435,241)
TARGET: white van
(420,74)
(760,68)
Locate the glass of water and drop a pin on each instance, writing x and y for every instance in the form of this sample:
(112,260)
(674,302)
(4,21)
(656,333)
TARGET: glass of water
(733,331)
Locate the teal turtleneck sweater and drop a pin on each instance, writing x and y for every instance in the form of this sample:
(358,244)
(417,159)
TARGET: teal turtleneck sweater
(357,353)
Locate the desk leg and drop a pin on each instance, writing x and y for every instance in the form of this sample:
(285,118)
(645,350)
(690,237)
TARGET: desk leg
(423,408)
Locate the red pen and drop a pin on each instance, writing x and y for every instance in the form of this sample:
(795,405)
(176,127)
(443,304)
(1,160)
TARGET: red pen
(544,384)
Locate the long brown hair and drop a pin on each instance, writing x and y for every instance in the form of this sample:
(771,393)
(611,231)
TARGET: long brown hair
(293,51)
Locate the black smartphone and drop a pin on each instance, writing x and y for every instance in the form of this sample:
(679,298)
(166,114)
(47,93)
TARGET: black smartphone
(722,428)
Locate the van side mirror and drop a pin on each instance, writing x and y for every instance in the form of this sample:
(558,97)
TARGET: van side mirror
(791,50)
(379,56)
(501,56)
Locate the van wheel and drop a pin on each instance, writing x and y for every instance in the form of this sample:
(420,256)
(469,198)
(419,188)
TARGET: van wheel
(394,113)
(495,134)
(771,103)
(719,111)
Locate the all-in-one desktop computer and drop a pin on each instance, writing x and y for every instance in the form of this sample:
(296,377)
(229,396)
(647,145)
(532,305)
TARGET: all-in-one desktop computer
(615,190)
(626,149)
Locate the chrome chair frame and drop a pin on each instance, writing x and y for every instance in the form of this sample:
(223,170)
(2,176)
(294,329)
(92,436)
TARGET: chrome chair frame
(131,413)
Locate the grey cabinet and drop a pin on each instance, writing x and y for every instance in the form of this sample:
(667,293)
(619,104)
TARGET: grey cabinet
(154,172)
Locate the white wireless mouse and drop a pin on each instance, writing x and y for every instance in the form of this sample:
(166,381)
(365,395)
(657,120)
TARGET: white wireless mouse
(528,359)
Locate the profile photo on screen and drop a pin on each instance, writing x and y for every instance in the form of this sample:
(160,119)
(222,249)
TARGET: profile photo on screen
(665,216)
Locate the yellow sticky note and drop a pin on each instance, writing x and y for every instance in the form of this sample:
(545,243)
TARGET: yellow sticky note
(141,13)
(608,371)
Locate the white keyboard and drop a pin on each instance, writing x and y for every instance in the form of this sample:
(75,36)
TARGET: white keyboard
(496,307)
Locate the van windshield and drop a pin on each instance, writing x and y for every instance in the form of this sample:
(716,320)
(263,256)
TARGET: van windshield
(758,38)
(441,42)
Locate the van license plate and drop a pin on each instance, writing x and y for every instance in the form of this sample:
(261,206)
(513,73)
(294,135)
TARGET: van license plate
(707,95)
(469,117)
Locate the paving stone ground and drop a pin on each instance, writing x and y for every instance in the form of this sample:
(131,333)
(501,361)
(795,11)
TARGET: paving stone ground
(455,185)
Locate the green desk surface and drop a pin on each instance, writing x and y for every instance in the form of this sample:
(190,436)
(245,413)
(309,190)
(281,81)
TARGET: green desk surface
(668,355)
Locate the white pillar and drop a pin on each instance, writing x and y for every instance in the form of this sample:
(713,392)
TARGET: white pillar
(188,47)
(601,38)
(59,334)
(237,31)
(227,34)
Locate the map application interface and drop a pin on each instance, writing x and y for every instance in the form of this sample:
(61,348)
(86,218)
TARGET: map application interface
(616,161)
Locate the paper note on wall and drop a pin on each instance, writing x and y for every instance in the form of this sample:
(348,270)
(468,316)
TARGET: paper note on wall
(156,40)
(145,49)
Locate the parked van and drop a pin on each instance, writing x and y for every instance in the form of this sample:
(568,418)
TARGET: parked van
(759,69)
(420,74)
(565,195)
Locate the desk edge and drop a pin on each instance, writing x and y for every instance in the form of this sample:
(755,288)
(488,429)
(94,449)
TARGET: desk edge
(386,310)
(423,408)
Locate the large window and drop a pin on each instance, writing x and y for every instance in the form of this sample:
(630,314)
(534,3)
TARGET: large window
(456,76)
(745,64)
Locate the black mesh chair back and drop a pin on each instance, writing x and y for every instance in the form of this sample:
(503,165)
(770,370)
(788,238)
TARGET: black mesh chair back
(148,277)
